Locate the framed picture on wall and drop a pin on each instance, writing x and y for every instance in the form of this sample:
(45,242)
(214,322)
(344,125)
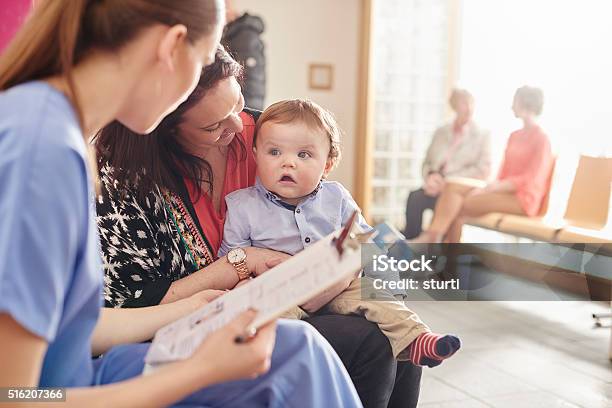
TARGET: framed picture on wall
(320,76)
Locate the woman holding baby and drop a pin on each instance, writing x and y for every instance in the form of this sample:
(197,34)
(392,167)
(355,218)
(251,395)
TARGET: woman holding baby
(162,211)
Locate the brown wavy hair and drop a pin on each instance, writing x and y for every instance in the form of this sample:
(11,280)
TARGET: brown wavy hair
(159,159)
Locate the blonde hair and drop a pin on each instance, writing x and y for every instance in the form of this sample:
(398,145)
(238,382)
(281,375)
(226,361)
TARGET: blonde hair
(458,93)
(308,113)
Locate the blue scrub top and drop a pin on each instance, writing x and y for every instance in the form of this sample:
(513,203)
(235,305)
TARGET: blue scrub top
(50,272)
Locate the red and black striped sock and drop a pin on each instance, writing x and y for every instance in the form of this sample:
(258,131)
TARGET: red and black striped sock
(429,349)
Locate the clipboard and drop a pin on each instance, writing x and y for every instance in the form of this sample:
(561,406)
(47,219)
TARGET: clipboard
(289,284)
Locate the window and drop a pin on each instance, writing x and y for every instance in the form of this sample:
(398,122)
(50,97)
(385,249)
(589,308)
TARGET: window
(422,48)
(412,71)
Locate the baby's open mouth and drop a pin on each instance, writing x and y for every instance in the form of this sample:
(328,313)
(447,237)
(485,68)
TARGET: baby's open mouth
(287,178)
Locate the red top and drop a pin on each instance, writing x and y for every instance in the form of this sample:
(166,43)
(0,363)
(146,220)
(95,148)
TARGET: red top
(238,174)
(528,161)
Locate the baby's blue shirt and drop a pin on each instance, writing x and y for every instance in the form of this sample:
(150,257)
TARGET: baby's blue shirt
(257,217)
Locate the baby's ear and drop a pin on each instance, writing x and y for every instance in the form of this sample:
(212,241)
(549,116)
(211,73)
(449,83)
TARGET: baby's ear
(255,153)
(329,165)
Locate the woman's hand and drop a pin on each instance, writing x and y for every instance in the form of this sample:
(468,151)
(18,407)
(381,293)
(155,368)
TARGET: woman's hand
(491,187)
(203,297)
(497,186)
(434,184)
(260,260)
(501,186)
(226,360)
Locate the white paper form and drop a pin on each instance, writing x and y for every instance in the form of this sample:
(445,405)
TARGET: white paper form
(289,284)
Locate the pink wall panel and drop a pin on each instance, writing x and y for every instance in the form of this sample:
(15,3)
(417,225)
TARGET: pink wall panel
(12,15)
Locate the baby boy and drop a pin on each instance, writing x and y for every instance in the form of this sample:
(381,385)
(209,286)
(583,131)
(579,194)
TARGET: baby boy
(292,205)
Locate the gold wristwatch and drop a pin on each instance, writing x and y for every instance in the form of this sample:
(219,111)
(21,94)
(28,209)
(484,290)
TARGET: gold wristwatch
(237,258)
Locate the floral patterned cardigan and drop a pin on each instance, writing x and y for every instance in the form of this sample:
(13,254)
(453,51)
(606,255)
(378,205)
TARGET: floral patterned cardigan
(149,243)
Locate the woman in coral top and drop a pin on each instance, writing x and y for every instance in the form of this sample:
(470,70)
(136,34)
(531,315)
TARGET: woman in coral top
(521,184)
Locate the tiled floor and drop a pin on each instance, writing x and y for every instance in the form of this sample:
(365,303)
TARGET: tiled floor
(519,354)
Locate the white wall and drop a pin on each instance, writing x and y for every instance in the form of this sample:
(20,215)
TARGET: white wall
(301,32)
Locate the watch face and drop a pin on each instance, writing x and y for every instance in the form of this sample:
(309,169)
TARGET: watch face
(236,255)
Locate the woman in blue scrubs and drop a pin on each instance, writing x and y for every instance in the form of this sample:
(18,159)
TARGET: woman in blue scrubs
(75,66)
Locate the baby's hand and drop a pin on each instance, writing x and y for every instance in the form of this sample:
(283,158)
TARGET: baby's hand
(260,260)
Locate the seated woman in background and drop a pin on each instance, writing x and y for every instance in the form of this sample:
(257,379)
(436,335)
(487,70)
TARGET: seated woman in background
(521,185)
(459,149)
(162,211)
